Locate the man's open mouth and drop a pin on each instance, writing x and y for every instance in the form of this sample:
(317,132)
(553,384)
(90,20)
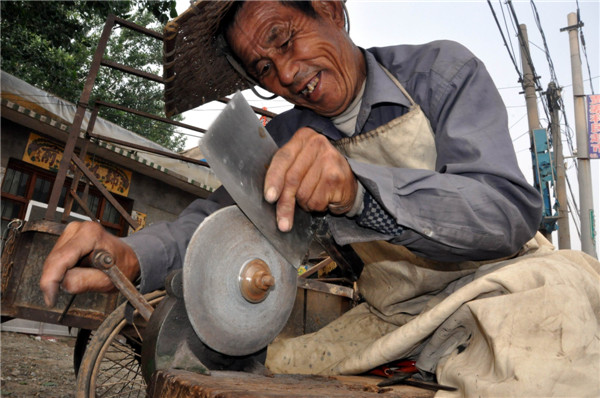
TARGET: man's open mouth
(310,87)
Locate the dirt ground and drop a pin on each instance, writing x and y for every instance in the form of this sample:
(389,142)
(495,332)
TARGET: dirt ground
(33,366)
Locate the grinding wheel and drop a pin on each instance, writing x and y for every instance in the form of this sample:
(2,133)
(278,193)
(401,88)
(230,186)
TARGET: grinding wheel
(238,290)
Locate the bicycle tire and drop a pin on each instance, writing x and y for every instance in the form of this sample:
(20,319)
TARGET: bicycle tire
(111,365)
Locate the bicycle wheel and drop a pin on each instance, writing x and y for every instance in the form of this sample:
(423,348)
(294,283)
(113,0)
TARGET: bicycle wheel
(111,364)
(81,343)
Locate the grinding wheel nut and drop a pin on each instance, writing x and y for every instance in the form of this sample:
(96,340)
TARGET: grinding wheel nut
(256,281)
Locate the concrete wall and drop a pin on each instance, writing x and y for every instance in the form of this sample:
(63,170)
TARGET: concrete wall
(14,141)
(159,201)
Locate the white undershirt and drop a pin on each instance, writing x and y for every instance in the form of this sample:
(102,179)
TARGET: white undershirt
(346,121)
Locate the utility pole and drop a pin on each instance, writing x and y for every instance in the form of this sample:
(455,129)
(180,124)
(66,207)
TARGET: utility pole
(528,83)
(584,175)
(564,230)
(529,89)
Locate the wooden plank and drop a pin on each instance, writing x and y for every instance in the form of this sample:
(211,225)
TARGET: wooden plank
(228,384)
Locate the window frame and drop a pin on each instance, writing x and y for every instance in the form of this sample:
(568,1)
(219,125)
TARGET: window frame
(121,228)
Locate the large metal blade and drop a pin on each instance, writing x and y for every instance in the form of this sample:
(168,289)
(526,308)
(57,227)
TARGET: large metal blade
(239,150)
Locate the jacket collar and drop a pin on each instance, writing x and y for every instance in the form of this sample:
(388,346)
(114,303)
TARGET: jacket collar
(379,89)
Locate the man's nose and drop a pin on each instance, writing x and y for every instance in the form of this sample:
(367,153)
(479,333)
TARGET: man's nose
(287,70)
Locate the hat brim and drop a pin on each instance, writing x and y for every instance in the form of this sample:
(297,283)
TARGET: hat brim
(195,69)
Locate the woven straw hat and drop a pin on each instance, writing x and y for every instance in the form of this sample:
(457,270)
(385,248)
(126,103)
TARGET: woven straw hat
(195,69)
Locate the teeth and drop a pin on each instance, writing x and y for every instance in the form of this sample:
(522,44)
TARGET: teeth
(310,87)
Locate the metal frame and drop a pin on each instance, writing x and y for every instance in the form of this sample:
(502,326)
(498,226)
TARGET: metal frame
(75,128)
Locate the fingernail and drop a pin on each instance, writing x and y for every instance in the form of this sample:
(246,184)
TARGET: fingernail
(49,301)
(284,224)
(271,195)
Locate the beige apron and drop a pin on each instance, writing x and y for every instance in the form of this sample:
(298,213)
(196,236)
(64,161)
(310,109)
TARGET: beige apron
(406,141)
(395,281)
(528,326)
(396,284)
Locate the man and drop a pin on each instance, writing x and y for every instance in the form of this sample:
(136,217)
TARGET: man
(407,148)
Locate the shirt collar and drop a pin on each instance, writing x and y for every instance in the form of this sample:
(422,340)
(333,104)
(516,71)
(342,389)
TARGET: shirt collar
(379,89)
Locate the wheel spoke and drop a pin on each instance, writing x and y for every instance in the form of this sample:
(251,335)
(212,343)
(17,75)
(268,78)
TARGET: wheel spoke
(114,369)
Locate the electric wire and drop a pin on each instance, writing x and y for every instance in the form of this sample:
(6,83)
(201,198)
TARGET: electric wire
(552,69)
(528,59)
(561,106)
(510,53)
(580,28)
(572,203)
(538,23)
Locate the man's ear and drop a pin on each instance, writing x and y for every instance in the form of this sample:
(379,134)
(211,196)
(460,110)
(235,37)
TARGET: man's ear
(331,10)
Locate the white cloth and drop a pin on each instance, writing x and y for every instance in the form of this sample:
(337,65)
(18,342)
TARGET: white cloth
(527,326)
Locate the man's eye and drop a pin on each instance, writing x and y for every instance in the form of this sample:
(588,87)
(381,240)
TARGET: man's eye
(263,68)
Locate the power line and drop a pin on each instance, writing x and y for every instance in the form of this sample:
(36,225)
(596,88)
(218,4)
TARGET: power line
(580,27)
(546,49)
(528,58)
(510,53)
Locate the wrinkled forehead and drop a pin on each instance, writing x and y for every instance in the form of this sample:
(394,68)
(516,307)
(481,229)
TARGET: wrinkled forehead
(263,20)
(262,25)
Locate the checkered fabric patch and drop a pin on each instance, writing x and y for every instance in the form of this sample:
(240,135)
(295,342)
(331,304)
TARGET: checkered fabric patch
(375,217)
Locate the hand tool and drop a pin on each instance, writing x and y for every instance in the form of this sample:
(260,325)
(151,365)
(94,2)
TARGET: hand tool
(405,379)
(102,260)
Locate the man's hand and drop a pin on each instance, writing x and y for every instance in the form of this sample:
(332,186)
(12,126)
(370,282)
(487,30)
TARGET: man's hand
(310,171)
(78,240)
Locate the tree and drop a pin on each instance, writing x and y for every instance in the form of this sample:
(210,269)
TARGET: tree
(50,45)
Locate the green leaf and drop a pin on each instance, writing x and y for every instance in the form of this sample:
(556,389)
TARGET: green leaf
(50,44)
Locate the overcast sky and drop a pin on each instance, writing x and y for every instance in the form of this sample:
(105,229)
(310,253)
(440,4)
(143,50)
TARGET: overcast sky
(383,23)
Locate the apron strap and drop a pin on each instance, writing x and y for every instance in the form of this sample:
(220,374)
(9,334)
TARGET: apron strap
(397,83)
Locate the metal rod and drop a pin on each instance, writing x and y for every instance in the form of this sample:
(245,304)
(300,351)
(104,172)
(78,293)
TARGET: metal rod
(90,176)
(78,173)
(104,261)
(317,267)
(260,111)
(83,205)
(138,28)
(149,116)
(148,149)
(78,119)
(330,288)
(132,71)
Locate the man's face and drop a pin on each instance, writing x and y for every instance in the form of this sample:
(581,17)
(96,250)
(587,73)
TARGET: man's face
(309,61)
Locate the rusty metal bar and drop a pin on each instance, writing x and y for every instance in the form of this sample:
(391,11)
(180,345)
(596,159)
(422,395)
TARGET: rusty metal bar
(132,71)
(149,116)
(90,176)
(74,184)
(138,28)
(317,267)
(330,288)
(78,119)
(78,173)
(260,111)
(103,261)
(83,205)
(148,149)
(44,226)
